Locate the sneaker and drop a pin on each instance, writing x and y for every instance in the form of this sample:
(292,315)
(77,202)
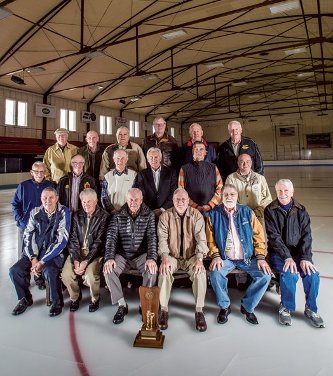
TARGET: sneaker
(314,318)
(284,316)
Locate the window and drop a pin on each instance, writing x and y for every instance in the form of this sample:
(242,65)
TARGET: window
(16,113)
(134,127)
(105,124)
(68,119)
(172,131)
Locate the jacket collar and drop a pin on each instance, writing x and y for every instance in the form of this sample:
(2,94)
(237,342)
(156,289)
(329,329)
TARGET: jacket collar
(187,212)
(275,204)
(190,143)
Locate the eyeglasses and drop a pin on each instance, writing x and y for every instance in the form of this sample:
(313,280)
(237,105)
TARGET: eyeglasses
(38,172)
(180,200)
(77,163)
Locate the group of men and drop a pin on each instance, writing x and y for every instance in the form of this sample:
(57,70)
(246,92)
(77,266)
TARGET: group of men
(157,216)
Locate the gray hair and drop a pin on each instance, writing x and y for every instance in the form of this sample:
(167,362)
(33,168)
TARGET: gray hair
(286,182)
(120,128)
(88,192)
(118,151)
(234,122)
(135,190)
(38,164)
(229,186)
(180,190)
(50,189)
(154,150)
(158,118)
(193,125)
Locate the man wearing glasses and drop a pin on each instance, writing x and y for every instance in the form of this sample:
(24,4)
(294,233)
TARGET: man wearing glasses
(27,197)
(71,185)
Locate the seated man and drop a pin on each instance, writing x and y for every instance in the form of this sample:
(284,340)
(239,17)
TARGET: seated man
(182,245)
(117,182)
(85,247)
(130,242)
(201,180)
(157,183)
(289,248)
(45,238)
(72,184)
(236,240)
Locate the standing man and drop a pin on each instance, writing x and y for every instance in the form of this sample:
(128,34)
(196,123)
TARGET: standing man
(166,143)
(196,134)
(201,180)
(131,242)
(27,197)
(236,240)
(157,183)
(182,245)
(71,185)
(45,238)
(136,159)
(236,145)
(117,182)
(92,153)
(86,249)
(57,158)
(290,250)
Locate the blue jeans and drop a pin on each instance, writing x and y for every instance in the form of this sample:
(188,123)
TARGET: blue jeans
(254,292)
(288,282)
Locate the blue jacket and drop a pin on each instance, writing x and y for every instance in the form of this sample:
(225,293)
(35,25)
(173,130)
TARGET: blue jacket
(44,237)
(27,197)
(249,230)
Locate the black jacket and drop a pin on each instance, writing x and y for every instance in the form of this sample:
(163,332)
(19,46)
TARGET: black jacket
(288,233)
(161,198)
(95,237)
(131,237)
(65,187)
(227,160)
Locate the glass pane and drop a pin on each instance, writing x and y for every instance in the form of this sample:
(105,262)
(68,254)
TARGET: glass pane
(137,129)
(101,124)
(131,124)
(108,125)
(22,113)
(72,120)
(172,132)
(10,112)
(63,118)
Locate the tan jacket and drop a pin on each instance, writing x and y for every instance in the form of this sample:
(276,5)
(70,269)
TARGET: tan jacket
(58,162)
(253,193)
(169,240)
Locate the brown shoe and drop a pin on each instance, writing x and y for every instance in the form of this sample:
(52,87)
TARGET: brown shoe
(200,322)
(163,319)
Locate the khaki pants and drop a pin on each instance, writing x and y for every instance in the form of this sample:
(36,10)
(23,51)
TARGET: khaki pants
(199,281)
(91,278)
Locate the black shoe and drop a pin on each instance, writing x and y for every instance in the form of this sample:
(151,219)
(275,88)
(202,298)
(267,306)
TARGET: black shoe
(120,314)
(56,309)
(22,305)
(93,306)
(163,319)
(222,317)
(250,316)
(74,305)
(40,282)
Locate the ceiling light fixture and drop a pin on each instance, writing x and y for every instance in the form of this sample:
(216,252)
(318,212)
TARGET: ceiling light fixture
(285,6)
(214,65)
(295,51)
(206,101)
(174,34)
(95,87)
(254,96)
(17,80)
(35,69)
(136,98)
(310,89)
(150,76)
(4,13)
(239,83)
(94,54)
(305,74)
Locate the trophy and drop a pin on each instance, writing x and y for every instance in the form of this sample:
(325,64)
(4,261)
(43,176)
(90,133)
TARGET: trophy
(149,335)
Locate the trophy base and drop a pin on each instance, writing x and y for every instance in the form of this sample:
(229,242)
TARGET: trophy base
(149,338)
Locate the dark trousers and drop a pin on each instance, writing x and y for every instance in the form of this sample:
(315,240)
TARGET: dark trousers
(20,275)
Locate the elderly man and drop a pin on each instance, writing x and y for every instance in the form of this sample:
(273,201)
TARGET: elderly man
(157,183)
(45,238)
(196,134)
(57,157)
(92,153)
(236,145)
(166,143)
(27,197)
(72,184)
(86,249)
(136,158)
(236,240)
(290,250)
(182,245)
(252,187)
(130,243)
(117,182)
(201,180)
